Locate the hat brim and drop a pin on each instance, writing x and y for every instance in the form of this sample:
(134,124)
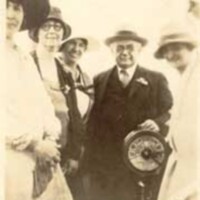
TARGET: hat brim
(91,43)
(64,42)
(113,39)
(161,49)
(35,13)
(33,33)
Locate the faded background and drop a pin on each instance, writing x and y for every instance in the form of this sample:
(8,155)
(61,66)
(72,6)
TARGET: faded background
(101,19)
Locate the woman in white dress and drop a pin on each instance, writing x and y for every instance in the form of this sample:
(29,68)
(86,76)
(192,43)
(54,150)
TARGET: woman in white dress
(48,37)
(179,47)
(31,128)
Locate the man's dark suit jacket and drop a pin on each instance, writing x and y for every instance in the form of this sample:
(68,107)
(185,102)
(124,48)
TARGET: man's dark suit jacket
(117,111)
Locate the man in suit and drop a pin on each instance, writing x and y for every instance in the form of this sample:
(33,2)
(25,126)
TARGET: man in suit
(127,97)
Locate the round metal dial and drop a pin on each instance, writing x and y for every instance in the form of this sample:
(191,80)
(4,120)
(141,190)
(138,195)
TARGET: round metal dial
(146,153)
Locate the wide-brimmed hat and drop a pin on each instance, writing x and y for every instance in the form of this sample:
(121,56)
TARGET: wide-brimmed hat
(178,34)
(126,35)
(91,43)
(35,12)
(55,14)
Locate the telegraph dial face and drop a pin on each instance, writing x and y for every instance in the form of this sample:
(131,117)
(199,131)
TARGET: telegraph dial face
(145,152)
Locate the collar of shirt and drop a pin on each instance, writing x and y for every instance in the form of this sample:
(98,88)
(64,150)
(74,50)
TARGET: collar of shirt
(130,71)
(42,53)
(10,45)
(47,65)
(76,74)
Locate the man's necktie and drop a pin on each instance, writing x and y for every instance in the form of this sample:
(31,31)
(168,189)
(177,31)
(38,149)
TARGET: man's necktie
(124,77)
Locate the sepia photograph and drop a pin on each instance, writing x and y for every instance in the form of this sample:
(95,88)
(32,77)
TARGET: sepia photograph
(100,100)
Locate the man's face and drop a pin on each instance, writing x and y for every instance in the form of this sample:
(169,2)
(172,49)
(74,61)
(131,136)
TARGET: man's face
(51,33)
(178,55)
(73,50)
(14,18)
(126,52)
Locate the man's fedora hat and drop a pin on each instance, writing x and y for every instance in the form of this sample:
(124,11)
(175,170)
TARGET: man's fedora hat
(91,43)
(35,12)
(126,35)
(176,34)
(55,14)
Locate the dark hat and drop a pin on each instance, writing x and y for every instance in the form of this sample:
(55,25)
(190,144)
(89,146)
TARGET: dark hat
(176,34)
(55,14)
(126,35)
(35,12)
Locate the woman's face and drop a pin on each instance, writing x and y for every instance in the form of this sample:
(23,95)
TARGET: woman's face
(73,50)
(14,18)
(51,34)
(178,55)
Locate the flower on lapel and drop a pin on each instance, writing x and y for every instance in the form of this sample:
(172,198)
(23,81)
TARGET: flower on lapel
(142,80)
(66,89)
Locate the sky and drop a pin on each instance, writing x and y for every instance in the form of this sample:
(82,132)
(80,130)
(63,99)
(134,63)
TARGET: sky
(100,17)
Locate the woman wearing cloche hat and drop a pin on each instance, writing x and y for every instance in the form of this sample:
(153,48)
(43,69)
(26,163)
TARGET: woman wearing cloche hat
(178,45)
(48,37)
(180,36)
(54,15)
(81,95)
(28,111)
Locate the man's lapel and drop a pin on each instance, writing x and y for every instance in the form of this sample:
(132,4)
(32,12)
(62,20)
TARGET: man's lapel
(104,82)
(135,83)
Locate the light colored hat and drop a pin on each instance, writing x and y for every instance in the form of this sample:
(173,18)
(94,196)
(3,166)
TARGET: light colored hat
(176,34)
(126,35)
(91,43)
(55,14)
(195,1)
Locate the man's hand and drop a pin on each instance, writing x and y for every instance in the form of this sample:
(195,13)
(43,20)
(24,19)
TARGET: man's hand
(149,125)
(71,167)
(47,151)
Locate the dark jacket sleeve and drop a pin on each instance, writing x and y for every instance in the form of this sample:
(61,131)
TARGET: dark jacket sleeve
(77,124)
(75,133)
(90,92)
(89,140)
(165,103)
